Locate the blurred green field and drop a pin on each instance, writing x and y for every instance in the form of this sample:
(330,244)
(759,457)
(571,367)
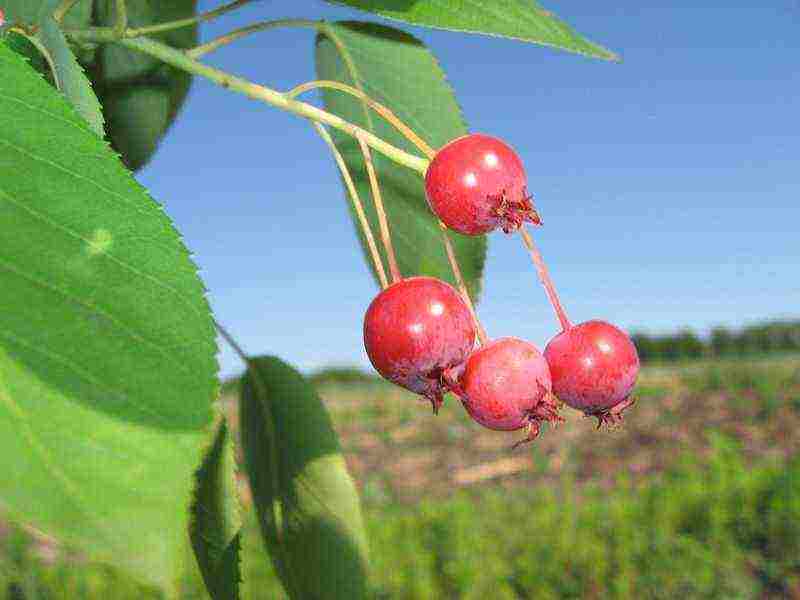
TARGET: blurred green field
(697,496)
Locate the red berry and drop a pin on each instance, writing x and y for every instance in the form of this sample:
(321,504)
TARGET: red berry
(505,385)
(416,329)
(477,183)
(594,367)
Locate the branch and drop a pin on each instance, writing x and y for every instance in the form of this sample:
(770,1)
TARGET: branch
(179,60)
(121,23)
(133,32)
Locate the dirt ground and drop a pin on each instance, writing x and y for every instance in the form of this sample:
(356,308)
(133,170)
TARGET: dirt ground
(398,451)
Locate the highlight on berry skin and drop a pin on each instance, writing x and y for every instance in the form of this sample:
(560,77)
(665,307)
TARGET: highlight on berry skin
(414,331)
(476,184)
(594,367)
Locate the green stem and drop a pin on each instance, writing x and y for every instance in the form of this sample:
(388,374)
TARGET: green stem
(236,34)
(270,424)
(272,434)
(62,9)
(179,60)
(206,16)
(121,23)
(151,29)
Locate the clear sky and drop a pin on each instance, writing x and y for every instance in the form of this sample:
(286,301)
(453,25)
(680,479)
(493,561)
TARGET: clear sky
(669,184)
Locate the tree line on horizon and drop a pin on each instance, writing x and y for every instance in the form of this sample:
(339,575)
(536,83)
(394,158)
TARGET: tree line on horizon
(774,337)
(764,338)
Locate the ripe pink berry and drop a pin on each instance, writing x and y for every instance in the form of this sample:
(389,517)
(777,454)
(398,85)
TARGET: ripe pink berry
(477,183)
(594,366)
(505,385)
(416,329)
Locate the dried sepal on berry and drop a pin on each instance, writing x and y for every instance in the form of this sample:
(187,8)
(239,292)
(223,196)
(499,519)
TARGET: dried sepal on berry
(594,367)
(505,385)
(476,184)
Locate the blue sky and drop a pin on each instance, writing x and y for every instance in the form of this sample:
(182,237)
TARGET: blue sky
(670,183)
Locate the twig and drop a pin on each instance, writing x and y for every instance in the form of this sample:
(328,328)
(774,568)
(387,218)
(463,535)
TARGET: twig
(62,9)
(232,342)
(237,34)
(133,32)
(206,16)
(121,16)
(277,514)
(179,60)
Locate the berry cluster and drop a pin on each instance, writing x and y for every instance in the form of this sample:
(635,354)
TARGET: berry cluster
(421,334)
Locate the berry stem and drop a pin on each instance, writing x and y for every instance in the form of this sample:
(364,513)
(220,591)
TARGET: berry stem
(379,108)
(410,135)
(462,286)
(544,277)
(359,208)
(378,200)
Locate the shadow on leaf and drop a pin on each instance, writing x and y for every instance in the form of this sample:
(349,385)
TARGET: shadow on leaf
(307,504)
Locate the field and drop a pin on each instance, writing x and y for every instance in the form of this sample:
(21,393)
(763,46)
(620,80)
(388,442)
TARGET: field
(698,495)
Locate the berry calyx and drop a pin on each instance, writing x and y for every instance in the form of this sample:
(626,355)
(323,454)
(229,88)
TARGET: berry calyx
(414,331)
(505,385)
(594,367)
(476,183)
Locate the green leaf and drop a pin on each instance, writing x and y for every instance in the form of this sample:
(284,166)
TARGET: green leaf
(140,95)
(24,47)
(307,503)
(215,520)
(69,75)
(523,20)
(137,119)
(395,69)
(25,12)
(107,346)
(31,12)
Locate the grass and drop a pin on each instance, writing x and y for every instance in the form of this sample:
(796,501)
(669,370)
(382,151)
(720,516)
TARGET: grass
(697,497)
(710,529)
